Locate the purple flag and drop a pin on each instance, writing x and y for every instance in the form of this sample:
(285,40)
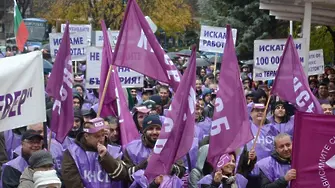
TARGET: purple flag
(60,88)
(138,49)
(109,104)
(231,128)
(313,153)
(128,128)
(176,136)
(291,83)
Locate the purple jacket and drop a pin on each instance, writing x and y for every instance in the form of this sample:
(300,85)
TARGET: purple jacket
(56,150)
(272,169)
(19,163)
(241,181)
(12,141)
(203,128)
(265,141)
(91,173)
(137,151)
(140,181)
(283,127)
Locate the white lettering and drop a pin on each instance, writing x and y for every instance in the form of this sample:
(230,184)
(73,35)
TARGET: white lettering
(63,93)
(296,83)
(303,95)
(261,140)
(192,100)
(88,175)
(167,60)
(160,143)
(168,124)
(58,104)
(67,78)
(219,104)
(269,139)
(216,125)
(100,178)
(174,74)
(332,140)
(143,42)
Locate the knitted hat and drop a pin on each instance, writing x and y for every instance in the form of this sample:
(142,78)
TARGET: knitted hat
(151,120)
(157,99)
(40,158)
(44,178)
(150,104)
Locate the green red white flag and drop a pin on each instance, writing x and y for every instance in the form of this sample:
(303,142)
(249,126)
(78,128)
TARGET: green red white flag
(20,29)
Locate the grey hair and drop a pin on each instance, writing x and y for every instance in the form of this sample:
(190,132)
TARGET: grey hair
(280,136)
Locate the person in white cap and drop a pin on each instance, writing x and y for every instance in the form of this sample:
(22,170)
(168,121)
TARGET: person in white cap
(90,162)
(46,179)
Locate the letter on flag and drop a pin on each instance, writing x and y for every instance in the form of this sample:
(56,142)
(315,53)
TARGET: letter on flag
(176,136)
(138,49)
(60,88)
(231,128)
(115,93)
(291,83)
(318,169)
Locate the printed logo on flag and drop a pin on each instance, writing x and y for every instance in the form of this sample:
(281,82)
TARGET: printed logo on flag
(324,164)
(331,162)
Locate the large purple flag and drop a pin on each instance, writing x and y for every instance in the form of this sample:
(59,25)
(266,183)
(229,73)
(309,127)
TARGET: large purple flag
(313,150)
(176,136)
(109,104)
(138,49)
(291,83)
(128,128)
(231,128)
(60,88)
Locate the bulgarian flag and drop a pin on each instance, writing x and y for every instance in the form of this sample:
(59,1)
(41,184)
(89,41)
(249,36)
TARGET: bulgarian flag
(20,29)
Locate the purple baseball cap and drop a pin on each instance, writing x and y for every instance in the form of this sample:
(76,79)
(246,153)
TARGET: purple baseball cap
(94,125)
(224,159)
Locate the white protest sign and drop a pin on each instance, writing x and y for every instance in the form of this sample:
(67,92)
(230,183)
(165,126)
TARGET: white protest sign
(128,77)
(22,97)
(78,45)
(78,28)
(112,35)
(316,63)
(267,55)
(213,39)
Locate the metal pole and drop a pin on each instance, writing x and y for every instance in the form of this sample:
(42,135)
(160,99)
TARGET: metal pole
(291,27)
(307,33)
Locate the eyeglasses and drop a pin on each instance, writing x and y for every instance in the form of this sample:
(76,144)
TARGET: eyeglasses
(34,141)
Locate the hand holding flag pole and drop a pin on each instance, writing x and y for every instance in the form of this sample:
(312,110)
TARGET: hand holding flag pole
(261,125)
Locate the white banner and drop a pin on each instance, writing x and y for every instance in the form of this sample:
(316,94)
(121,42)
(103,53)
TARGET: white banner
(112,35)
(213,39)
(78,41)
(267,55)
(316,63)
(128,77)
(22,97)
(78,28)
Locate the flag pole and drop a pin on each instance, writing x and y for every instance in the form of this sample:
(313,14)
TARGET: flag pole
(49,141)
(215,62)
(105,90)
(261,125)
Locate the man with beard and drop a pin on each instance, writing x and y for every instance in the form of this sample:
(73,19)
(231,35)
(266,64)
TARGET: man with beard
(281,121)
(77,128)
(275,170)
(137,153)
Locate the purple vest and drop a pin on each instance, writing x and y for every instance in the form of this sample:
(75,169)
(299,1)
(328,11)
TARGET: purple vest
(193,155)
(265,141)
(12,141)
(272,169)
(137,151)
(91,173)
(18,163)
(203,128)
(241,181)
(56,150)
(140,181)
(67,142)
(283,127)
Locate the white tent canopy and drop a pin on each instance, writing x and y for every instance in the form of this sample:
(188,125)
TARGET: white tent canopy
(320,12)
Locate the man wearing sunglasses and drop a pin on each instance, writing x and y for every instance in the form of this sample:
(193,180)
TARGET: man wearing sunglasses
(32,141)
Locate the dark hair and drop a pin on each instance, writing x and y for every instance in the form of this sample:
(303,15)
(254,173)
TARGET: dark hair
(323,84)
(164,87)
(112,120)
